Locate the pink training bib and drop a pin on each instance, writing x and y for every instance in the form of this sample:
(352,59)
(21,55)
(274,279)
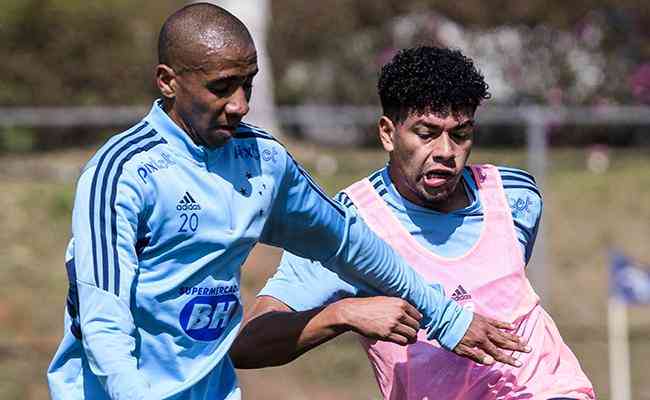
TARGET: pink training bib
(490,280)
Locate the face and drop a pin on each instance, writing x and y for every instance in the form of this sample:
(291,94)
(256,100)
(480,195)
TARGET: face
(427,155)
(210,98)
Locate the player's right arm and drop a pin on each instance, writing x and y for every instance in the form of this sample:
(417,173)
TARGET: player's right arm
(280,334)
(104,226)
(305,305)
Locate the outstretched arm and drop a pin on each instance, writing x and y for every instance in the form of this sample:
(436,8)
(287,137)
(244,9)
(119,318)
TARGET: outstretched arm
(279,334)
(304,221)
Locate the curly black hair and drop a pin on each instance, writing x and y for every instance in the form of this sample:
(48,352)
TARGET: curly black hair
(429,79)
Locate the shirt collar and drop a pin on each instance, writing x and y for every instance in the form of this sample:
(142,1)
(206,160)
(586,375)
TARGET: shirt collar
(177,137)
(401,202)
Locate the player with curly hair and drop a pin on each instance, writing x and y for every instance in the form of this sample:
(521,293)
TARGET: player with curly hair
(469,227)
(166,213)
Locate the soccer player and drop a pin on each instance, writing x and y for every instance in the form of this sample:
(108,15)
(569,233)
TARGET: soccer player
(469,227)
(165,214)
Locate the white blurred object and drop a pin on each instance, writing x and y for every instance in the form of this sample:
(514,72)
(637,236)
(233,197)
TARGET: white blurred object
(326,165)
(255,15)
(598,159)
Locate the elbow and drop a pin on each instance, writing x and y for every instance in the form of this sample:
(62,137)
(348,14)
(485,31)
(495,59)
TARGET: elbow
(238,357)
(244,357)
(247,352)
(251,351)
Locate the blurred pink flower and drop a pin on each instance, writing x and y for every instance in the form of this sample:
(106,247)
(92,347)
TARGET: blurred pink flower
(640,83)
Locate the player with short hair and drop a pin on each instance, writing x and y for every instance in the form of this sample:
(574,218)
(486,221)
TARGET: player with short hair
(469,227)
(166,213)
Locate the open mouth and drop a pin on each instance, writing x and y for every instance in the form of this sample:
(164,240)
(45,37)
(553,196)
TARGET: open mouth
(437,178)
(224,129)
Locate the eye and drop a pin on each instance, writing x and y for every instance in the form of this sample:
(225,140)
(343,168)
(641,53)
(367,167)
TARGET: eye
(424,133)
(464,133)
(219,88)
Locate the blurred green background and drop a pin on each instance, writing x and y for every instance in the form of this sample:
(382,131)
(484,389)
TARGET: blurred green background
(585,214)
(558,53)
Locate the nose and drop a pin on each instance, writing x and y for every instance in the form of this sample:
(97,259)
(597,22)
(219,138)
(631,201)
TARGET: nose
(238,103)
(443,148)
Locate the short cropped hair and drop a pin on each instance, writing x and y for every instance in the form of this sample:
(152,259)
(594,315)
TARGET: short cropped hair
(185,32)
(430,79)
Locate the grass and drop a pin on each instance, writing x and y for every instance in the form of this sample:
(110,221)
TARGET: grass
(585,215)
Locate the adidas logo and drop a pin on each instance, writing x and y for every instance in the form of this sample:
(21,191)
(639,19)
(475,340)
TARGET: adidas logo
(460,294)
(187,203)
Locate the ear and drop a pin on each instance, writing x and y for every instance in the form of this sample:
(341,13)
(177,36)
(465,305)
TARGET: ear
(387,131)
(166,81)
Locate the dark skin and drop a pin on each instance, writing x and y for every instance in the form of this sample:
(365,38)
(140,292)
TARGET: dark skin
(209,93)
(279,335)
(206,82)
(427,155)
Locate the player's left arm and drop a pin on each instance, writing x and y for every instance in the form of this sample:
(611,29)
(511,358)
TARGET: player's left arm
(526,204)
(306,222)
(105,271)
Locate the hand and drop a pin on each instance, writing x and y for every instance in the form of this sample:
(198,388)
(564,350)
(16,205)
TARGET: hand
(389,319)
(485,339)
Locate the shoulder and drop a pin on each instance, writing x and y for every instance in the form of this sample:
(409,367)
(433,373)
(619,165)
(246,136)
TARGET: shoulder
(376,179)
(248,132)
(518,179)
(122,145)
(120,158)
(344,199)
(523,194)
(251,143)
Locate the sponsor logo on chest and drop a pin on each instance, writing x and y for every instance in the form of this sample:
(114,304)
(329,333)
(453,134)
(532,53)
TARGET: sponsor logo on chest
(210,310)
(148,168)
(250,151)
(246,152)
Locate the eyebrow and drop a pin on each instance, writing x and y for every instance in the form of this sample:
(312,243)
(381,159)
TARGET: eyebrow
(228,78)
(469,122)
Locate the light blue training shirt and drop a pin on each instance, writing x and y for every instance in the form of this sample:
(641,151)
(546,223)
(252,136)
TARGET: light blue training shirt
(160,229)
(303,284)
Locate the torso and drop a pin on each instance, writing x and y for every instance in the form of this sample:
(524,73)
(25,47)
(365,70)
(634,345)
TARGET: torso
(489,279)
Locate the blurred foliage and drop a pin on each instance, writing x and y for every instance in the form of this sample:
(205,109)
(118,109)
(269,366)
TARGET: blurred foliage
(16,140)
(587,51)
(585,213)
(73,52)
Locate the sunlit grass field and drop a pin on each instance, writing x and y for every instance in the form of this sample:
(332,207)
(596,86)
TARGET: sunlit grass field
(585,215)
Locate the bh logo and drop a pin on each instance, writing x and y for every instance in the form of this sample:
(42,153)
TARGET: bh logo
(205,318)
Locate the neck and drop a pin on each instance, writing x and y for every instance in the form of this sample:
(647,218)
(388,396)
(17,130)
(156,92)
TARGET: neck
(186,127)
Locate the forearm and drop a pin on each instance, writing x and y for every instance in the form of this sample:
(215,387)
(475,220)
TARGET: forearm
(344,244)
(367,262)
(108,342)
(278,335)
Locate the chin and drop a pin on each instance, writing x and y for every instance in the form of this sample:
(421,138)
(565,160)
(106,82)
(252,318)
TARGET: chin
(214,141)
(438,198)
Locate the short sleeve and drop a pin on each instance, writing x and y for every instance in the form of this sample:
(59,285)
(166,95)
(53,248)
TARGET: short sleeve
(303,284)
